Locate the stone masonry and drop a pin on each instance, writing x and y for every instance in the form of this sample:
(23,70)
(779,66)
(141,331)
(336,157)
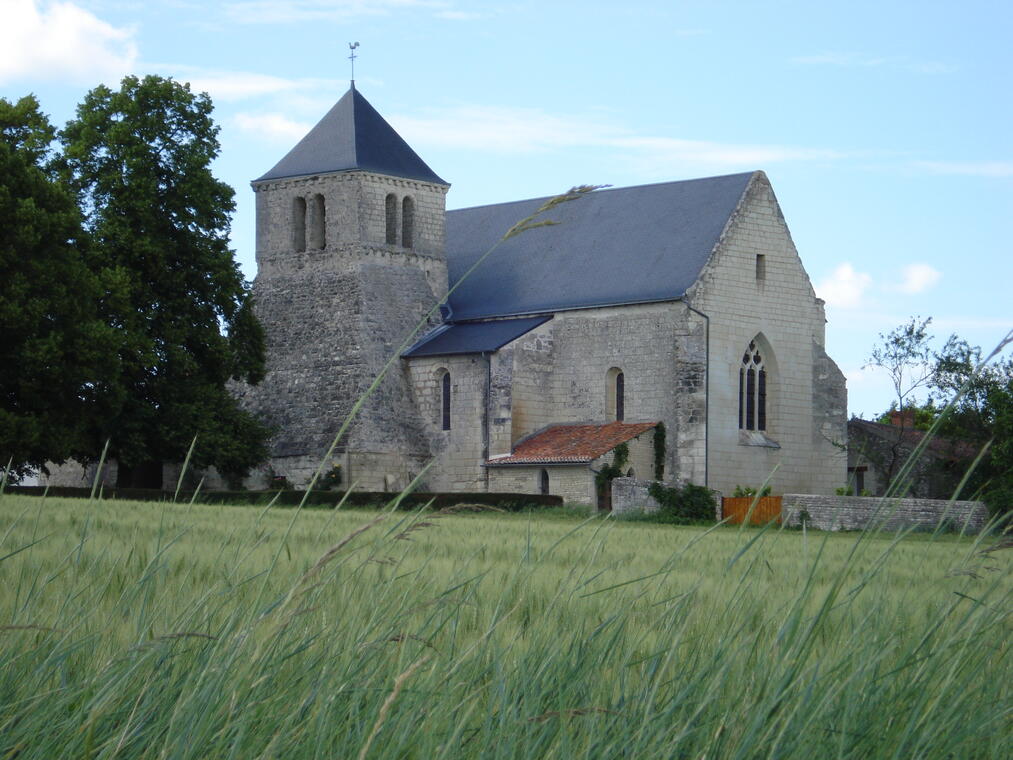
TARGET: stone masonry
(858,513)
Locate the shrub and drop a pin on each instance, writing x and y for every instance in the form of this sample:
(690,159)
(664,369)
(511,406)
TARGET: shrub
(688,503)
(749,492)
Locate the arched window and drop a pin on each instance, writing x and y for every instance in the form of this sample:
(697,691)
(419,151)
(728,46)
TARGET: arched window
(299,224)
(543,482)
(318,223)
(391,219)
(407,222)
(615,381)
(445,400)
(752,390)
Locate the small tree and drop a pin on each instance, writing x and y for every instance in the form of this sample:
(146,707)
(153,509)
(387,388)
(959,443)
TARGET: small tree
(905,353)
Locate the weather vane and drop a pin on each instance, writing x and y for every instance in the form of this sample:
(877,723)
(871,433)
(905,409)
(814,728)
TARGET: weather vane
(351,57)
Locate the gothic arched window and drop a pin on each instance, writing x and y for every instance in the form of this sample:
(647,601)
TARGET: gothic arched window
(391,209)
(299,224)
(407,222)
(752,390)
(445,400)
(318,220)
(543,482)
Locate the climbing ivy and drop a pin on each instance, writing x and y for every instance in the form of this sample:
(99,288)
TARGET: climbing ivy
(659,451)
(608,472)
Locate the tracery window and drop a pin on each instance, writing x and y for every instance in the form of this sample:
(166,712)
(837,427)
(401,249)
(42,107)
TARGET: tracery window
(752,390)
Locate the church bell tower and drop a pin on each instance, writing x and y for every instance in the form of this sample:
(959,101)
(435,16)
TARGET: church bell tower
(350,256)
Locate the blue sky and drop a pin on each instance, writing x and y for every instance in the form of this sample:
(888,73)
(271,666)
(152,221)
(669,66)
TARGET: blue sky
(885,127)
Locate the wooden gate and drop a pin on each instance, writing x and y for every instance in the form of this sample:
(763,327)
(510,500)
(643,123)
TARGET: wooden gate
(767,508)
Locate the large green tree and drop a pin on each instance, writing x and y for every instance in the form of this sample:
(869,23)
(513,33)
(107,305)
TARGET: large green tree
(57,357)
(140,159)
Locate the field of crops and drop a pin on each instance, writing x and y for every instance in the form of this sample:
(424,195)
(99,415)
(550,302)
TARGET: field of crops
(140,630)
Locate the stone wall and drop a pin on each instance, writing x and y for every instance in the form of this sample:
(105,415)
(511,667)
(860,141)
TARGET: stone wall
(458,453)
(559,373)
(857,512)
(630,495)
(776,305)
(574,483)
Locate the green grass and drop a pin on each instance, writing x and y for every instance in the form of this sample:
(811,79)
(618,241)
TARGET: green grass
(134,630)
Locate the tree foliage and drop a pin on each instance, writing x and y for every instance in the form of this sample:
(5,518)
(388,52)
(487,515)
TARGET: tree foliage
(139,159)
(57,357)
(969,399)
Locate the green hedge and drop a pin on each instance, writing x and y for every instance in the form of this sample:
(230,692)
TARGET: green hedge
(513,502)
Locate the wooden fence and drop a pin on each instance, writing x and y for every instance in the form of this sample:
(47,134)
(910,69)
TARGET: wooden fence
(767,508)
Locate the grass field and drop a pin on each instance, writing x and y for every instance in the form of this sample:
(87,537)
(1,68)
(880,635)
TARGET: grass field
(133,630)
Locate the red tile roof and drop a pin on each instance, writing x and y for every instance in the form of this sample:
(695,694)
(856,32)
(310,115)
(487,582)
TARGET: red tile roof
(572,443)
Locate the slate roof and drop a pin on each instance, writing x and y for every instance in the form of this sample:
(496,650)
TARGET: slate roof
(572,444)
(352,135)
(473,337)
(629,245)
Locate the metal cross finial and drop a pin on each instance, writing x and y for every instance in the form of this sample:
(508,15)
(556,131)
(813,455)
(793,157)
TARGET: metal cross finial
(351,57)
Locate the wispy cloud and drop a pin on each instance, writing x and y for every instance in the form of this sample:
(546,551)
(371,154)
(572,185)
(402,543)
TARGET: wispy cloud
(243,85)
(529,130)
(291,11)
(917,278)
(273,127)
(968,168)
(851,59)
(844,288)
(61,40)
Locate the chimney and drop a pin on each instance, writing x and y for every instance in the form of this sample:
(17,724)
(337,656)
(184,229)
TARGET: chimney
(904,419)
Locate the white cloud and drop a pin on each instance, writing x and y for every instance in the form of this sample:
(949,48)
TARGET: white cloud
(290,11)
(51,40)
(242,85)
(969,168)
(529,130)
(844,287)
(917,278)
(275,127)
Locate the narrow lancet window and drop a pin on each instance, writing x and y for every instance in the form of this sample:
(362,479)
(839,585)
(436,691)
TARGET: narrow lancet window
(408,222)
(318,223)
(543,482)
(445,401)
(391,209)
(620,397)
(299,224)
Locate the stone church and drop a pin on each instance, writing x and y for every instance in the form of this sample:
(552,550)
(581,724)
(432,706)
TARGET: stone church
(674,322)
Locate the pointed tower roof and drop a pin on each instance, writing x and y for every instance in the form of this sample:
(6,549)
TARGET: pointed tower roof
(352,135)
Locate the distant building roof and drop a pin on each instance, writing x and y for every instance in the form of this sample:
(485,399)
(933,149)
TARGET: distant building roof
(576,444)
(937,446)
(629,245)
(352,135)
(473,337)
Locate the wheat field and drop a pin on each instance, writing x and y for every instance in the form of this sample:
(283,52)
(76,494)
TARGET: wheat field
(140,630)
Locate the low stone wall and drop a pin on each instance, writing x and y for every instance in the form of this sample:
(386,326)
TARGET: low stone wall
(858,512)
(630,495)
